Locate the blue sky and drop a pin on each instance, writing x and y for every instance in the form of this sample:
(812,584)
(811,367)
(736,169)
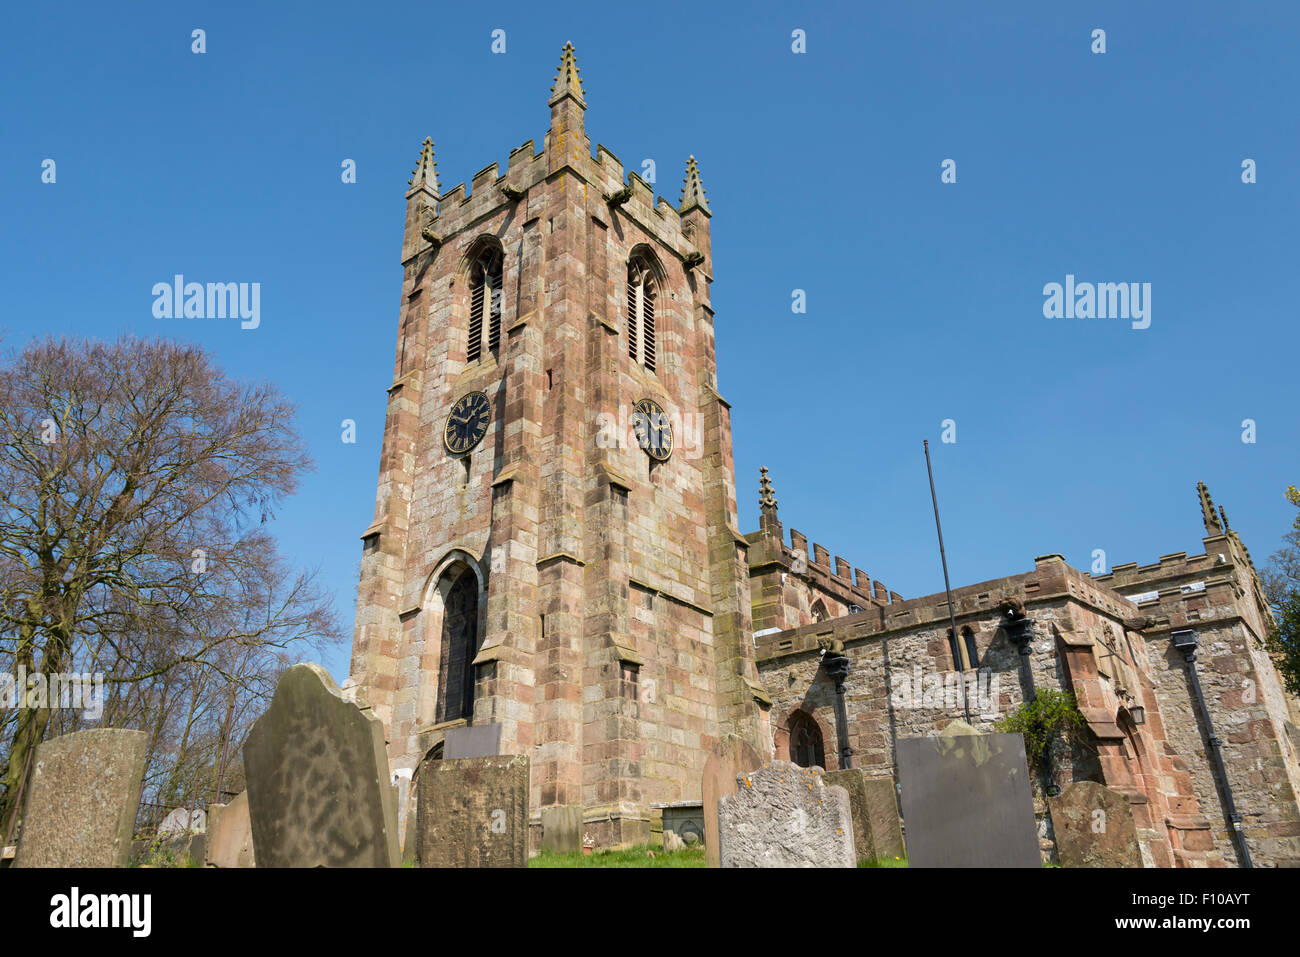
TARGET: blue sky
(925,299)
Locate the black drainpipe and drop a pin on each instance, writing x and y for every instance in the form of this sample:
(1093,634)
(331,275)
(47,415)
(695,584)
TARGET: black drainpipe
(1020,629)
(1186,641)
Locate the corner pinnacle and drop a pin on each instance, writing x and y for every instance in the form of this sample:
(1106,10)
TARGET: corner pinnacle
(693,190)
(567,82)
(426,171)
(1208,517)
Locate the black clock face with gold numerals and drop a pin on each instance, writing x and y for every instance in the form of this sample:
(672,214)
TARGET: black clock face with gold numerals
(467,422)
(652,430)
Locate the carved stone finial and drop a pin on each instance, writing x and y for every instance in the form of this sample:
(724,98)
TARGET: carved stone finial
(693,190)
(1211,520)
(766,498)
(567,82)
(426,171)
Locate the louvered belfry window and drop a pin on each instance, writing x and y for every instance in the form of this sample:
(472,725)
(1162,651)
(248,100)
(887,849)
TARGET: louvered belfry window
(641,313)
(485,301)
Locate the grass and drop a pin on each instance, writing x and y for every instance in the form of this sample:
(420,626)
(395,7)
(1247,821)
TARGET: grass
(643,856)
(883,862)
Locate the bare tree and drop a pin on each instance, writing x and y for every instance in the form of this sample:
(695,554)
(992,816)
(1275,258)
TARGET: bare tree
(135,479)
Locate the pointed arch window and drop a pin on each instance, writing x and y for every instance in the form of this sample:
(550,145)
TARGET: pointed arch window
(806,748)
(641,294)
(485,304)
(965,653)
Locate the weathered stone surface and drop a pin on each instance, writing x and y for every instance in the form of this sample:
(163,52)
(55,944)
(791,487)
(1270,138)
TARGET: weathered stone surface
(881,797)
(783,815)
(732,755)
(318,791)
(966,801)
(562,828)
(1094,827)
(80,807)
(230,834)
(473,812)
(183,821)
(686,820)
(873,805)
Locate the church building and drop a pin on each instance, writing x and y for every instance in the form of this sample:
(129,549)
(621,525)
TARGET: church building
(555,551)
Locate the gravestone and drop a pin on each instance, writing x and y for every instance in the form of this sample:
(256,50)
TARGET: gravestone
(1094,827)
(318,791)
(476,741)
(731,756)
(230,834)
(81,802)
(882,812)
(562,828)
(684,821)
(782,815)
(966,800)
(182,821)
(874,808)
(473,812)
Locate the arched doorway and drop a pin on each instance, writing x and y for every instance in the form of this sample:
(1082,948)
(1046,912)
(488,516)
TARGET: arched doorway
(806,748)
(458,646)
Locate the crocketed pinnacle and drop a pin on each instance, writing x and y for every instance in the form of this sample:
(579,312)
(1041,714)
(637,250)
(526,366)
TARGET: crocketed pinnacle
(567,82)
(693,190)
(766,498)
(426,172)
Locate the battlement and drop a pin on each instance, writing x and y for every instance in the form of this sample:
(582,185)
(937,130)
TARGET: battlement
(844,572)
(1051,580)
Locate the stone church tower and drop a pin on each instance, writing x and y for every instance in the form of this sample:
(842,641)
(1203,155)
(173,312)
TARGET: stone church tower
(543,556)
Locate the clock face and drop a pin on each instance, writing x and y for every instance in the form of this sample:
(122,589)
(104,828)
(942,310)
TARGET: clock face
(653,433)
(467,422)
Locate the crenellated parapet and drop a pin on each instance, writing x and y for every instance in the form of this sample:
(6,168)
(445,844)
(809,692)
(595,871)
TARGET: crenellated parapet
(790,586)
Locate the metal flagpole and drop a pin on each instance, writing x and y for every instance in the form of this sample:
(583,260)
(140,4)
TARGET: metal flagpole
(952,616)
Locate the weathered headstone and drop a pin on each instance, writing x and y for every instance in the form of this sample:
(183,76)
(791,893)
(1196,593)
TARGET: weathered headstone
(182,821)
(562,828)
(1094,827)
(684,820)
(783,815)
(80,806)
(858,786)
(966,800)
(473,812)
(230,834)
(476,741)
(882,812)
(318,791)
(731,756)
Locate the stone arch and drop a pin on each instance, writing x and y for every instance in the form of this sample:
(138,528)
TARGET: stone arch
(457,586)
(1134,750)
(807,746)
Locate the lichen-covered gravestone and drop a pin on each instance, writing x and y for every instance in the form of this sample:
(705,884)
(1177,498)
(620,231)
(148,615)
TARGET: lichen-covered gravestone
(80,806)
(318,791)
(1094,827)
(729,757)
(473,812)
(230,834)
(783,815)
